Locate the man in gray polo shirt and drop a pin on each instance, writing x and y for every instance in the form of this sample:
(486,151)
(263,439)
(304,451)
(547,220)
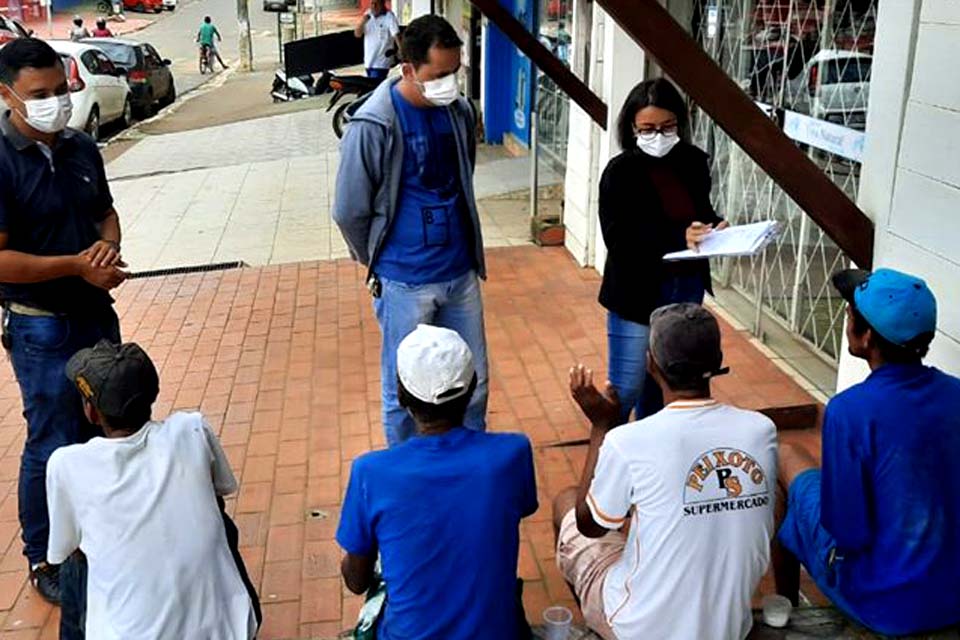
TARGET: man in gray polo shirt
(59,257)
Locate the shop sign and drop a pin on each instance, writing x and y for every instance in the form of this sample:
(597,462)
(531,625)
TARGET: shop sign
(830,137)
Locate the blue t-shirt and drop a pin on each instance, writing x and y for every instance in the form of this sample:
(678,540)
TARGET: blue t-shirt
(444,512)
(430,239)
(891,499)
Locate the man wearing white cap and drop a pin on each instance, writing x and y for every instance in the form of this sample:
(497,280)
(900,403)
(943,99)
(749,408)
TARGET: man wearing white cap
(442,509)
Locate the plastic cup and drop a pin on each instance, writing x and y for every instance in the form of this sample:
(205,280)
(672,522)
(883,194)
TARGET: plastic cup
(776,610)
(557,621)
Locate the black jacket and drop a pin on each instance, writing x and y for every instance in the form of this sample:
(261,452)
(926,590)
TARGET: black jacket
(638,231)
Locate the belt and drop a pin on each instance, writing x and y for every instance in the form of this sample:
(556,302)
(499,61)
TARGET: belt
(25,310)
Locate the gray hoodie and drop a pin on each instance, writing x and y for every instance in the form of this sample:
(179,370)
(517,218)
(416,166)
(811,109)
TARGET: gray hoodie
(371,169)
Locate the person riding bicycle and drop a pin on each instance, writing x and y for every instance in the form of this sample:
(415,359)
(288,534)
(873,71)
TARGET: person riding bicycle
(208,47)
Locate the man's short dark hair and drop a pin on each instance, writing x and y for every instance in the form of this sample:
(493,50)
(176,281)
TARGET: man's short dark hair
(910,353)
(26,53)
(207,19)
(425,33)
(453,411)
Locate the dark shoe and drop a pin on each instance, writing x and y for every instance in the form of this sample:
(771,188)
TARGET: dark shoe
(45,578)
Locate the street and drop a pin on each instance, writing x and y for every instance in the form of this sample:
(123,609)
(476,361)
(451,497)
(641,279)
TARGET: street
(174,35)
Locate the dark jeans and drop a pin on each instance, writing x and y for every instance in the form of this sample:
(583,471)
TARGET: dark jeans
(377,74)
(73,597)
(39,350)
(627,343)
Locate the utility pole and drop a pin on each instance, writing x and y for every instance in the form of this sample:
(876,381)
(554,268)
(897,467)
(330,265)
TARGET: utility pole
(245,46)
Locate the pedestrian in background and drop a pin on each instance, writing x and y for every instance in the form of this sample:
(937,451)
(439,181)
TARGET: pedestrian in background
(59,257)
(654,199)
(380,30)
(78,32)
(406,208)
(101,31)
(208,36)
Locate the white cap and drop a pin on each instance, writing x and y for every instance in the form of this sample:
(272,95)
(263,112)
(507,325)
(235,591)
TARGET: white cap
(435,364)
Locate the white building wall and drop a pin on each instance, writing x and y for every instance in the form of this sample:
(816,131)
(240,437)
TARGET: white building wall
(911,173)
(618,65)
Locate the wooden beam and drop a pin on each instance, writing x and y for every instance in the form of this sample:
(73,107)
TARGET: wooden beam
(545,60)
(682,58)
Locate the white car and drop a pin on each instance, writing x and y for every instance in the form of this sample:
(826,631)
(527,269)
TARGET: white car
(834,86)
(98,88)
(169,5)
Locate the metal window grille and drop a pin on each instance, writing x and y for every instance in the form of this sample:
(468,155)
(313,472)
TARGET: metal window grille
(811,58)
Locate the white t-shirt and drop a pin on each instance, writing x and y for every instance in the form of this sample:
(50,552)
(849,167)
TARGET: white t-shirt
(378,35)
(701,478)
(143,509)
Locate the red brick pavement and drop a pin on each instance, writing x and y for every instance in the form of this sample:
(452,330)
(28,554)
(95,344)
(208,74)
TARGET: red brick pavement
(284,362)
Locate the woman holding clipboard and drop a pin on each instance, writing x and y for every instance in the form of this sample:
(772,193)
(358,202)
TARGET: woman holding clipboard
(654,199)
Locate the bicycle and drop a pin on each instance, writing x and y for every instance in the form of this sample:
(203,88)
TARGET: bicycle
(206,59)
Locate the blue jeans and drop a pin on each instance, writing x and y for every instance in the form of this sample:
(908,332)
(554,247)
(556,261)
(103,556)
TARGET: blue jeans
(456,305)
(803,535)
(39,350)
(627,344)
(73,597)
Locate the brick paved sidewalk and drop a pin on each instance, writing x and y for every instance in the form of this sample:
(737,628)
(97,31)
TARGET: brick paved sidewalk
(284,361)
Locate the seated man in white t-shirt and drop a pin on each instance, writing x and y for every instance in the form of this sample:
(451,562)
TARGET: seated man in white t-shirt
(142,504)
(668,533)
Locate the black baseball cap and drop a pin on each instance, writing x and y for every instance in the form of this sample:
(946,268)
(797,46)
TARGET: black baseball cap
(116,379)
(685,343)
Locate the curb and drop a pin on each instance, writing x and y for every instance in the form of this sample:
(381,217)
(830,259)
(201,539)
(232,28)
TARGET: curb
(133,133)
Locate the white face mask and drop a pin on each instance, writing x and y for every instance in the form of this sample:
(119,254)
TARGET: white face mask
(660,145)
(48,115)
(442,91)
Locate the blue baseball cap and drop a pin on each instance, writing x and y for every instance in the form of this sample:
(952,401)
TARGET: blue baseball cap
(898,306)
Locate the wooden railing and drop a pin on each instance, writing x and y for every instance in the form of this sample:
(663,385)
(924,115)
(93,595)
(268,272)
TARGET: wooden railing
(682,58)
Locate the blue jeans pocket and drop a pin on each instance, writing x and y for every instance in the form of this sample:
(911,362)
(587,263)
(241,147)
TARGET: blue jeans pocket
(39,334)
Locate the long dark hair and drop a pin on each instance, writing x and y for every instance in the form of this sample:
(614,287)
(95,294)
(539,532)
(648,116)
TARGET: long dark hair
(651,93)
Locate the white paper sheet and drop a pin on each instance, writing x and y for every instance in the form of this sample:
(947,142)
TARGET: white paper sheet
(742,240)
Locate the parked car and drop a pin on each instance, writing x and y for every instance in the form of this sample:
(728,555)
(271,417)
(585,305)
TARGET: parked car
(149,76)
(169,5)
(98,88)
(10,29)
(143,6)
(834,86)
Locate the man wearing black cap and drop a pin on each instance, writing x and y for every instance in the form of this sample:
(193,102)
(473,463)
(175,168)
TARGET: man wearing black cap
(878,528)
(668,533)
(143,505)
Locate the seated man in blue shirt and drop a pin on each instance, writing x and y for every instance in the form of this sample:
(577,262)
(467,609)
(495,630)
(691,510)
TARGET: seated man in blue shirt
(878,528)
(442,509)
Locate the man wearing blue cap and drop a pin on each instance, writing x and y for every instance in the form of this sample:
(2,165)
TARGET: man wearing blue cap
(878,528)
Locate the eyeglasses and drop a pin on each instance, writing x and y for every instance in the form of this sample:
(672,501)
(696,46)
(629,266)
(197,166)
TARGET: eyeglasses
(651,133)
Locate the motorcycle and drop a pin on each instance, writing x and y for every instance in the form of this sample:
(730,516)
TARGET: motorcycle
(297,87)
(359,86)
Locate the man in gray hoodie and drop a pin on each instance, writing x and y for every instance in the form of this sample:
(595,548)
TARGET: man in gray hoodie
(405,205)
